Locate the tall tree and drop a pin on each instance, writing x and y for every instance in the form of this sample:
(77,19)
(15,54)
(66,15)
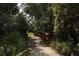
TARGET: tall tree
(42,15)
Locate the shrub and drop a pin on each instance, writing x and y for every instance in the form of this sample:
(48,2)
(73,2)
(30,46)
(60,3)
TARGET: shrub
(62,47)
(12,44)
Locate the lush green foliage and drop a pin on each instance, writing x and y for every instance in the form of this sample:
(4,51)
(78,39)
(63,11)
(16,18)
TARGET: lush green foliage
(62,19)
(59,20)
(13,44)
(13,30)
(64,48)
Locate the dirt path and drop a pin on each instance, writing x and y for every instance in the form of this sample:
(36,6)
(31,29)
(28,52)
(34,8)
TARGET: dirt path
(40,50)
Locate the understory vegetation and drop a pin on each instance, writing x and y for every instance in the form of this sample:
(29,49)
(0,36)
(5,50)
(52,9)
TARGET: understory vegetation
(64,48)
(19,21)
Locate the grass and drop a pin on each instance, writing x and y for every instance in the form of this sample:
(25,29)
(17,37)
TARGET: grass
(23,52)
(62,47)
(14,42)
